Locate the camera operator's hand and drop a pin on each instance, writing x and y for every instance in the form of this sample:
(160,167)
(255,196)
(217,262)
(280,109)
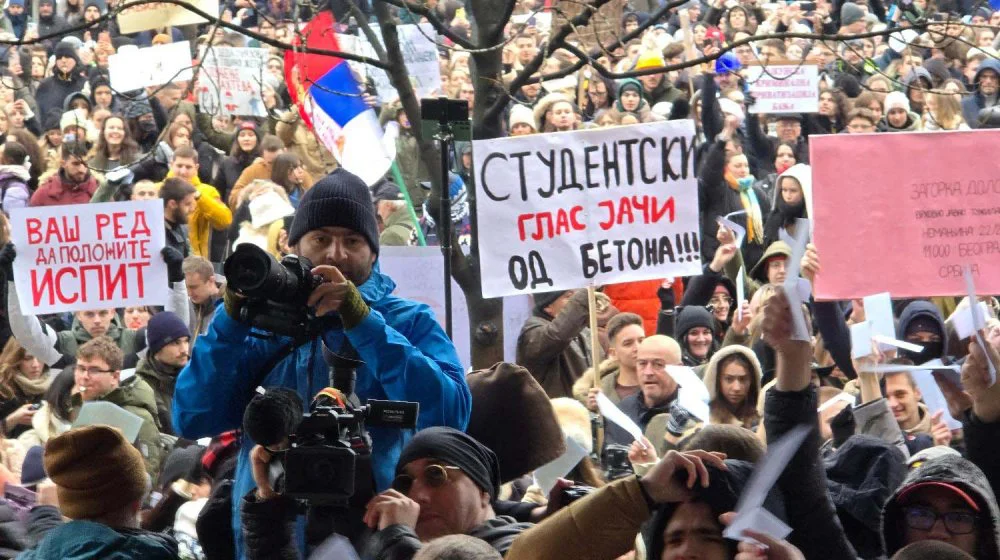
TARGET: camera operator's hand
(665,486)
(175,264)
(337,294)
(260,457)
(391,508)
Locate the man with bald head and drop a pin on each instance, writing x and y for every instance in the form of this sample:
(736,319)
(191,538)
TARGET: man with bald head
(650,408)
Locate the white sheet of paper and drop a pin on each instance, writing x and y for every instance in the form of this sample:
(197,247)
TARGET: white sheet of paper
(842,397)
(891,341)
(739,232)
(861,339)
(962,321)
(687,378)
(689,400)
(793,286)
(336,547)
(878,310)
(759,520)
(547,474)
(978,320)
(933,397)
(764,476)
(102,412)
(953,374)
(740,293)
(612,413)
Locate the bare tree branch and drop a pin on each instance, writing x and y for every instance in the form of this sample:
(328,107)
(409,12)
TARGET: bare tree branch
(432,18)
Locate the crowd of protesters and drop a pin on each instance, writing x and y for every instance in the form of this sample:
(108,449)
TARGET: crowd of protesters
(879,475)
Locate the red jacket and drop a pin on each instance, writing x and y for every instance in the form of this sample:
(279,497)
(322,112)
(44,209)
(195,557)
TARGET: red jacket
(637,297)
(57,191)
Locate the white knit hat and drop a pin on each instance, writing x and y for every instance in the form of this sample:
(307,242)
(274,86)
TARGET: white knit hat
(896,100)
(522,114)
(267,208)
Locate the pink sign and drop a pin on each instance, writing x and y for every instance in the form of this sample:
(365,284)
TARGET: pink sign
(903,212)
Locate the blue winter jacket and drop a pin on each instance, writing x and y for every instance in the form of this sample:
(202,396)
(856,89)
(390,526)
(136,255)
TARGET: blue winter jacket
(407,357)
(85,540)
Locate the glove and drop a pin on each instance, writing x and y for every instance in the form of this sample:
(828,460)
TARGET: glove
(232,302)
(175,262)
(7,255)
(354,309)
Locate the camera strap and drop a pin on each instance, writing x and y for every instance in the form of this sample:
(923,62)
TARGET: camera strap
(282,353)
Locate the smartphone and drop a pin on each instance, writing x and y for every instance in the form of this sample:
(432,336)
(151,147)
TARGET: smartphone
(807,6)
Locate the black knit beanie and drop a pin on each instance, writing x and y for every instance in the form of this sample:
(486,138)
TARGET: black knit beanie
(341,199)
(692,316)
(457,449)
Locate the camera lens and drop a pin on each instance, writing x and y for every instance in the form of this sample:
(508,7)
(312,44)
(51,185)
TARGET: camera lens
(321,471)
(247,268)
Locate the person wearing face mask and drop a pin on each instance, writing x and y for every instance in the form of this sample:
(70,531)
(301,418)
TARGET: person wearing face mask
(921,323)
(138,110)
(791,189)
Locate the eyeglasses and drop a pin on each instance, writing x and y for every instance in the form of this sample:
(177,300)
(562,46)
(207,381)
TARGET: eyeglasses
(435,476)
(956,522)
(716,300)
(92,371)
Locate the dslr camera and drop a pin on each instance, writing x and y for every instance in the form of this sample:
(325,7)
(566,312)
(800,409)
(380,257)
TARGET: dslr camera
(276,292)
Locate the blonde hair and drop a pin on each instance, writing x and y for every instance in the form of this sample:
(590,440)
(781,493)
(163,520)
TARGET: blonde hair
(10,362)
(947,110)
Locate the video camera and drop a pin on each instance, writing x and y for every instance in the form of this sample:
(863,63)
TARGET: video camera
(276,292)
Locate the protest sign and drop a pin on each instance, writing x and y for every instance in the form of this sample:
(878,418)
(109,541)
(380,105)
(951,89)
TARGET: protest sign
(601,206)
(93,256)
(783,88)
(156,15)
(131,69)
(420,275)
(420,56)
(230,81)
(907,229)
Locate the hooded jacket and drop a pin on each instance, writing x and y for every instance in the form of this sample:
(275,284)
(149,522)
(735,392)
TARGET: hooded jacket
(782,214)
(639,297)
(917,309)
(406,355)
(14,187)
(136,396)
(972,104)
(719,410)
(52,91)
(86,540)
(71,340)
(913,123)
(958,472)
(161,379)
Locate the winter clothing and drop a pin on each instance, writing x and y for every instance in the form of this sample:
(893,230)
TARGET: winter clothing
(406,357)
(721,411)
(962,474)
(637,297)
(398,542)
(457,449)
(137,397)
(608,384)
(784,215)
(96,471)
(686,319)
(652,421)
(85,540)
(257,170)
(972,104)
(301,141)
(164,328)
(398,229)
(161,378)
(58,190)
(556,350)
(210,214)
(14,190)
(339,199)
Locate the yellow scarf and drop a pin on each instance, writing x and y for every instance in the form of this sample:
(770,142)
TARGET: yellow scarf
(755,223)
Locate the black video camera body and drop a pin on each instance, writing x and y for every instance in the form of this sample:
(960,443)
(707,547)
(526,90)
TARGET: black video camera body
(321,464)
(276,292)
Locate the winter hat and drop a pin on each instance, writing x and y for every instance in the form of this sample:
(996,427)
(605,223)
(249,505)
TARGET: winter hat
(544,299)
(896,100)
(386,190)
(546,103)
(15,3)
(521,114)
(849,84)
(76,117)
(340,199)
(776,249)
(730,107)
(65,49)
(33,468)
(649,59)
(96,471)
(183,463)
(923,323)
(267,208)
(100,4)
(457,449)
(135,104)
(52,121)
(512,415)
(692,316)
(850,13)
(164,328)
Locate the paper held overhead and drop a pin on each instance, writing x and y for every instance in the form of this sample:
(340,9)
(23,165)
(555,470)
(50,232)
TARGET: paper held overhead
(978,320)
(612,413)
(797,289)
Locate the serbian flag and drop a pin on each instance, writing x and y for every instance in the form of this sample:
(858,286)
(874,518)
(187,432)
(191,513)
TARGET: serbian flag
(330,103)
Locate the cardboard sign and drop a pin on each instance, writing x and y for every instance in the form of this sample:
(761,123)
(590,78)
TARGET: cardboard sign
(420,56)
(784,88)
(882,225)
(131,69)
(152,16)
(89,256)
(602,206)
(230,81)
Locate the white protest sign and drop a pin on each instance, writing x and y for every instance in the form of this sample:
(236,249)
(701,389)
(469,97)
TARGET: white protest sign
(548,474)
(157,14)
(962,320)
(878,311)
(419,275)
(230,81)
(861,339)
(131,69)
(785,88)
(978,320)
(420,56)
(89,256)
(599,206)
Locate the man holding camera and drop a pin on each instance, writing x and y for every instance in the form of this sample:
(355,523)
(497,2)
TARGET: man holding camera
(406,354)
